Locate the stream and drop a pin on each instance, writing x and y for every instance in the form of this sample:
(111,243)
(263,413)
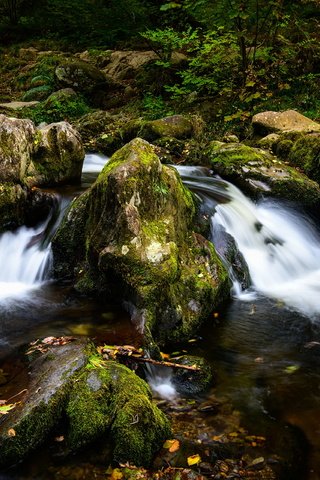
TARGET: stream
(264,343)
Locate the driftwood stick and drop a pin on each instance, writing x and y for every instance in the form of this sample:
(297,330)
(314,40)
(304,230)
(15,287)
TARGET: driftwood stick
(165,364)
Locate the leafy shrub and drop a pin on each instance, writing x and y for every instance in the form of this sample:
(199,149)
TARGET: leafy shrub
(57,111)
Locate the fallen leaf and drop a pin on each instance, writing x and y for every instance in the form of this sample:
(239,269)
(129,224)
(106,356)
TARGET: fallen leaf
(4,409)
(60,438)
(193,460)
(11,432)
(172,445)
(116,474)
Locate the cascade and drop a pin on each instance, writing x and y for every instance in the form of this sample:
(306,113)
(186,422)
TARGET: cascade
(280,246)
(25,254)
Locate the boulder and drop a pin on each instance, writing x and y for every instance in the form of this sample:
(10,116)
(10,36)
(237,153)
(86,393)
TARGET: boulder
(305,154)
(88,80)
(16,148)
(71,388)
(258,172)
(13,201)
(273,122)
(81,76)
(131,236)
(192,382)
(60,96)
(123,65)
(177,126)
(58,156)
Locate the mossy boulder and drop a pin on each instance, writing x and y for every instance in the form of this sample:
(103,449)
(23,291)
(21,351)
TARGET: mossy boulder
(177,126)
(290,120)
(258,172)
(16,148)
(42,406)
(305,154)
(57,156)
(137,243)
(72,388)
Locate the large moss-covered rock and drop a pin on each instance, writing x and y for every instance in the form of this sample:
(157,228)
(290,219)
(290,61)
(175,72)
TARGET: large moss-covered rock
(177,126)
(16,148)
(57,157)
(269,122)
(116,397)
(305,154)
(72,388)
(41,407)
(259,172)
(137,242)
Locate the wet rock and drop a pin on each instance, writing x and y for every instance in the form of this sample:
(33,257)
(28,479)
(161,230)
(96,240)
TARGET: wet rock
(137,243)
(232,257)
(188,382)
(269,122)
(58,156)
(42,406)
(73,390)
(259,172)
(13,201)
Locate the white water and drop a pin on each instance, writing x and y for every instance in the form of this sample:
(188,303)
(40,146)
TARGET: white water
(161,383)
(94,163)
(281,248)
(23,264)
(25,257)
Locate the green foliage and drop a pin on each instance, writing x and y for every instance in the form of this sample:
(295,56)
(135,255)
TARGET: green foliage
(155,107)
(57,111)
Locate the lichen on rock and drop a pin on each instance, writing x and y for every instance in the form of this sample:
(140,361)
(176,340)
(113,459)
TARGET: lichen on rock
(138,244)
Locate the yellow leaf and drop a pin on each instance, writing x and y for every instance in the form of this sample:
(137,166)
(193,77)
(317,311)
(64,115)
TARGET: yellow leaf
(233,434)
(193,460)
(11,432)
(116,474)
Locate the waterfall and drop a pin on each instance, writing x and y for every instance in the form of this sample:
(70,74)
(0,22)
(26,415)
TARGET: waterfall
(279,245)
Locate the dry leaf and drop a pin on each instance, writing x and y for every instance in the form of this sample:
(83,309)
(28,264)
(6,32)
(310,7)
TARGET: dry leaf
(11,432)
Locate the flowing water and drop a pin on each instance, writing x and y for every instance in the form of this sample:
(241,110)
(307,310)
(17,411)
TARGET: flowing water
(264,344)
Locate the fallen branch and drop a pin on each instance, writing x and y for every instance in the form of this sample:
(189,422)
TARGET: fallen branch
(194,368)
(129,352)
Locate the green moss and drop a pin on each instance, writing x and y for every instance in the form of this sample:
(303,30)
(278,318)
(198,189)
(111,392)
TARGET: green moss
(114,397)
(257,171)
(305,154)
